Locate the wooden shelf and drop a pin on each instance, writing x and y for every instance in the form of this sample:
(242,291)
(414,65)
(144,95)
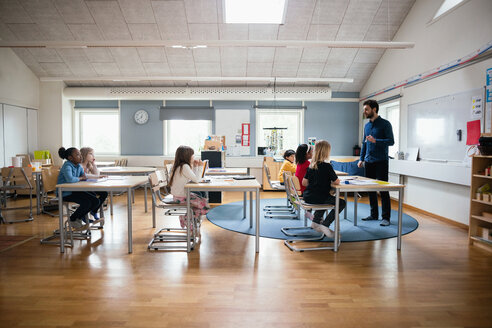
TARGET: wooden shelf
(480,239)
(482,176)
(481,201)
(482,218)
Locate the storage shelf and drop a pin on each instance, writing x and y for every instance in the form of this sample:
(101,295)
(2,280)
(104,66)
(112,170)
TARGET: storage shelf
(480,239)
(482,176)
(481,201)
(482,218)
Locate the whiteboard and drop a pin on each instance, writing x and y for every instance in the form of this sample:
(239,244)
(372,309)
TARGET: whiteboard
(228,123)
(2,150)
(32,130)
(15,131)
(432,125)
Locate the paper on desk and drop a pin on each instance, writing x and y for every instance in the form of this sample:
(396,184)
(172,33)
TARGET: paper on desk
(362,182)
(115,177)
(97,180)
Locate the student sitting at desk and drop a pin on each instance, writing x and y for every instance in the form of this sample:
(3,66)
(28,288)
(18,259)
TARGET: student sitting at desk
(185,169)
(72,172)
(303,154)
(288,165)
(319,177)
(92,172)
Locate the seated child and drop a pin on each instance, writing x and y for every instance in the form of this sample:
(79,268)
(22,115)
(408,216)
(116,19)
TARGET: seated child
(288,165)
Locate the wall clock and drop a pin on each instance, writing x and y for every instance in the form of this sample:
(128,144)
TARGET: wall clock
(141,116)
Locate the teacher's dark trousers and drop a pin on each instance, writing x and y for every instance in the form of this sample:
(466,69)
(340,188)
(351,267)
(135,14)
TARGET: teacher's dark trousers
(379,171)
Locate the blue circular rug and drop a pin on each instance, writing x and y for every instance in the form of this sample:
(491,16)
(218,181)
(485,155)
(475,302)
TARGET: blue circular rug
(230,217)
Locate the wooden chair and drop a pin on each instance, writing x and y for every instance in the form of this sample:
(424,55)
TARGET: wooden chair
(49,178)
(26,159)
(169,238)
(15,179)
(299,203)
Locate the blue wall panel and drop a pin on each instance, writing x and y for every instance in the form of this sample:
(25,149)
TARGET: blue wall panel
(136,139)
(336,122)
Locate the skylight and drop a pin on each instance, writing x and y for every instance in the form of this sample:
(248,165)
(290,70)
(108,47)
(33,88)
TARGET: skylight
(254,11)
(446,6)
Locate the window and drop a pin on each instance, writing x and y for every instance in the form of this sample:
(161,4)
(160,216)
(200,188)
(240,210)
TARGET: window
(185,132)
(279,129)
(98,129)
(391,112)
(254,11)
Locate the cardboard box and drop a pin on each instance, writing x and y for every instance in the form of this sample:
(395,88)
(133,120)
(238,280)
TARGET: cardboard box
(483,232)
(478,196)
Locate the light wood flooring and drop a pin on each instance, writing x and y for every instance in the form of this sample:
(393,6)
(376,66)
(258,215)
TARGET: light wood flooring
(436,280)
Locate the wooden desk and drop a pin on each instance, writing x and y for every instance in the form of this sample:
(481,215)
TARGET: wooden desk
(125,184)
(227,171)
(377,186)
(235,185)
(104,164)
(127,170)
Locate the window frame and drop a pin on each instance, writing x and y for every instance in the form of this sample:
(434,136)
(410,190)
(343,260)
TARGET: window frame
(384,107)
(165,129)
(78,128)
(259,111)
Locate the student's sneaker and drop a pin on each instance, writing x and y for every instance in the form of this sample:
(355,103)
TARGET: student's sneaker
(78,225)
(369,218)
(327,231)
(385,223)
(316,226)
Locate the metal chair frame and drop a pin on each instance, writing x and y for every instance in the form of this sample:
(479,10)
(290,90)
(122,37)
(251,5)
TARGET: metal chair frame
(10,182)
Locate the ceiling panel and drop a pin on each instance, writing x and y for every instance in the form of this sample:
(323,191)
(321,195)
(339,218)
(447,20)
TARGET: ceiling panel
(233,31)
(208,69)
(381,32)
(315,55)
(233,68)
(201,11)
(56,32)
(203,31)
(397,12)
(144,31)
(323,32)
(183,70)
(288,55)
(152,55)
(352,32)
(74,12)
(109,18)
(128,61)
(26,31)
(42,11)
(157,69)
(293,31)
(361,11)
(179,56)
(335,70)
(329,11)
(261,54)
(45,55)
(260,69)
(171,19)
(56,69)
(310,69)
(368,56)
(99,55)
(137,11)
(86,32)
(109,69)
(6,34)
(207,55)
(285,69)
(263,31)
(232,54)
(12,12)
(299,11)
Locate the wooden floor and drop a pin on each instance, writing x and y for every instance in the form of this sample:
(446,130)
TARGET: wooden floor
(436,280)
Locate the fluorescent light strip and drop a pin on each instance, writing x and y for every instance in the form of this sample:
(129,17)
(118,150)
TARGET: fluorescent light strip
(198,79)
(254,11)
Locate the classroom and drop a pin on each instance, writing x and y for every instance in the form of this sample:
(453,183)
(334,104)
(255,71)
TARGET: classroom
(391,100)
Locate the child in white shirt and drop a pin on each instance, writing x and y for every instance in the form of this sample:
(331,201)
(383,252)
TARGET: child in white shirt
(185,169)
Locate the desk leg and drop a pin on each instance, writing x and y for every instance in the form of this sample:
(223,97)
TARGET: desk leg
(355,209)
(250,208)
(337,221)
(188,220)
(38,195)
(145,195)
(244,204)
(153,211)
(129,215)
(345,196)
(257,241)
(111,202)
(400,210)
(60,220)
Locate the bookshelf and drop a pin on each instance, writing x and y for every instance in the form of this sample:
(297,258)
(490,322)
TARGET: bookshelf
(480,224)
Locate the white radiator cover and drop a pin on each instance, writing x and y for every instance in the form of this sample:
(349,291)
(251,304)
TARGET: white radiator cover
(200,93)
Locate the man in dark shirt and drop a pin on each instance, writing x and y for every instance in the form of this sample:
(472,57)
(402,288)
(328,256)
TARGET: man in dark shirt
(378,136)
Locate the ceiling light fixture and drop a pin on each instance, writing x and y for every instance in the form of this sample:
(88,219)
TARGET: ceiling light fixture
(254,11)
(199,79)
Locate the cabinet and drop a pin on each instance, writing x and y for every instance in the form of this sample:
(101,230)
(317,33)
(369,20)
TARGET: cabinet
(480,224)
(274,167)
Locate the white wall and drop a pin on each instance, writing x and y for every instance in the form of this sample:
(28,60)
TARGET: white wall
(18,84)
(451,37)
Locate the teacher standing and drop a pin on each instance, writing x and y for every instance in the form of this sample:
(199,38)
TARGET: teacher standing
(378,136)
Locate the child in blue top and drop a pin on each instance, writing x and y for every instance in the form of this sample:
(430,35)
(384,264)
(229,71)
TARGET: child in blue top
(72,172)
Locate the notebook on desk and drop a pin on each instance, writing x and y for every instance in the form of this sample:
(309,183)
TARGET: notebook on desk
(203,169)
(244,177)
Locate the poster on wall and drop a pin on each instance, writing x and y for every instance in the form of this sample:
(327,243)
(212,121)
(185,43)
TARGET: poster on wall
(488,101)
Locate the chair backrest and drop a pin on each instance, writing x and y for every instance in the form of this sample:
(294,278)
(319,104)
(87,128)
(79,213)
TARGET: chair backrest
(49,177)
(267,173)
(293,193)
(121,162)
(26,159)
(17,178)
(157,180)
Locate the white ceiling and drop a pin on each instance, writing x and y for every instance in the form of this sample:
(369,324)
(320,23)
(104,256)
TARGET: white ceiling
(145,20)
